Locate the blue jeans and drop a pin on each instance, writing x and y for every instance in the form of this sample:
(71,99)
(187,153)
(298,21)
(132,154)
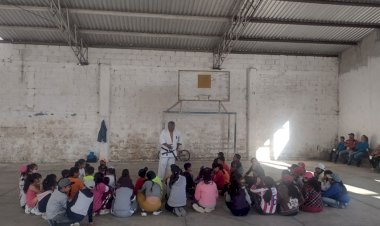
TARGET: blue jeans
(356,156)
(333,203)
(345,154)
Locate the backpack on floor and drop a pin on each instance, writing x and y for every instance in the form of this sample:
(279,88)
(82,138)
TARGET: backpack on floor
(91,157)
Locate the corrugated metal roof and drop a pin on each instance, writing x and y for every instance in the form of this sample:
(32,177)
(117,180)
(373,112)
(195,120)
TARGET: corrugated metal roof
(298,10)
(156,26)
(180,7)
(152,25)
(33,36)
(303,31)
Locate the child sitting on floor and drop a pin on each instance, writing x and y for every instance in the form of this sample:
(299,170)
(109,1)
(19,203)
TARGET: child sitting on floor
(32,188)
(77,183)
(48,185)
(89,174)
(176,192)
(124,203)
(81,164)
(190,185)
(265,198)
(23,175)
(111,174)
(149,196)
(289,195)
(325,185)
(140,181)
(336,196)
(102,195)
(206,193)
(311,192)
(237,197)
(236,165)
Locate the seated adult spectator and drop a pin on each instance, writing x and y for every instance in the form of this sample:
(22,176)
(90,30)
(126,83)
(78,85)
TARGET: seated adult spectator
(374,159)
(334,154)
(361,150)
(336,196)
(350,146)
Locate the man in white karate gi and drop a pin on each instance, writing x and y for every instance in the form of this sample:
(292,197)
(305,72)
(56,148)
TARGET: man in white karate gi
(170,139)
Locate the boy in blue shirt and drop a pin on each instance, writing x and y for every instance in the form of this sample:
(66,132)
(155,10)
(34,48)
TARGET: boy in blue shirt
(340,147)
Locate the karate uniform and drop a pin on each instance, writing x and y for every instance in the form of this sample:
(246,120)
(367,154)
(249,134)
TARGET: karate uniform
(167,159)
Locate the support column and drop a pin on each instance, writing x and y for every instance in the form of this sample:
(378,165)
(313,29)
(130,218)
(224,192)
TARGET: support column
(105,106)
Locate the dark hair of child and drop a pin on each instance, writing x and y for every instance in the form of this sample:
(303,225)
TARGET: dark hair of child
(79,163)
(65,173)
(125,179)
(315,184)
(150,175)
(106,180)
(207,175)
(235,185)
(187,165)
(326,172)
(176,171)
(220,154)
(30,180)
(89,170)
(31,166)
(49,182)
(238,156)
(73,170)
(268,183)
(142,172)
(102,169)
(98,178)
(222,158)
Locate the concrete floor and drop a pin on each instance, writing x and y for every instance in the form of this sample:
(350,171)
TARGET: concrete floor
(362,211)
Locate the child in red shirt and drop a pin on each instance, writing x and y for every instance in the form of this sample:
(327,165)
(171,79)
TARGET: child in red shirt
(218,177)
(141,180)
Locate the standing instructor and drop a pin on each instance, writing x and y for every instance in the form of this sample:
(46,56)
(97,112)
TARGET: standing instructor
(170,139)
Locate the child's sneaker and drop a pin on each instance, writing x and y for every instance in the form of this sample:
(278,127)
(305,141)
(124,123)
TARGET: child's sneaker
(144,214)
(208,210)
(156,213)
(104,212)
(44,216)
(36,212)
(182,211)
(198,208)
(27,210)
(177,212)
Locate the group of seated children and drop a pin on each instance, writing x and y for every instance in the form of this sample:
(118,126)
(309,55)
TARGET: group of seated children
(80,192)
(353,151)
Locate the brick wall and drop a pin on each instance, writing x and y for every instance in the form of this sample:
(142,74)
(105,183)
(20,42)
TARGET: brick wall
(51,108)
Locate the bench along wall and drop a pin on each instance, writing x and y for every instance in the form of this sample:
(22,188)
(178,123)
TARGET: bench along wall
(51,108)
(359,90)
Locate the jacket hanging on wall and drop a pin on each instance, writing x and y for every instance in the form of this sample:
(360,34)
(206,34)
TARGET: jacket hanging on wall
(102,136)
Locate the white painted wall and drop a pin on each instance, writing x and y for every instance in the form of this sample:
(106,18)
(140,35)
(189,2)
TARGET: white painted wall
(51,108)
(359,90)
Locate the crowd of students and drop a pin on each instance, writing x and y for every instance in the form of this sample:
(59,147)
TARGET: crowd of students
(82,192)
(352,151)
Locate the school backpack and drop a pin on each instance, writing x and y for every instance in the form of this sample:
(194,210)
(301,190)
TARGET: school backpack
(91,157)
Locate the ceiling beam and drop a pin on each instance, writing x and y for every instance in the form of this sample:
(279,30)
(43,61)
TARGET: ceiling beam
(298,40)
(359,3)
(184,36)
(172,49)
(314,23)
